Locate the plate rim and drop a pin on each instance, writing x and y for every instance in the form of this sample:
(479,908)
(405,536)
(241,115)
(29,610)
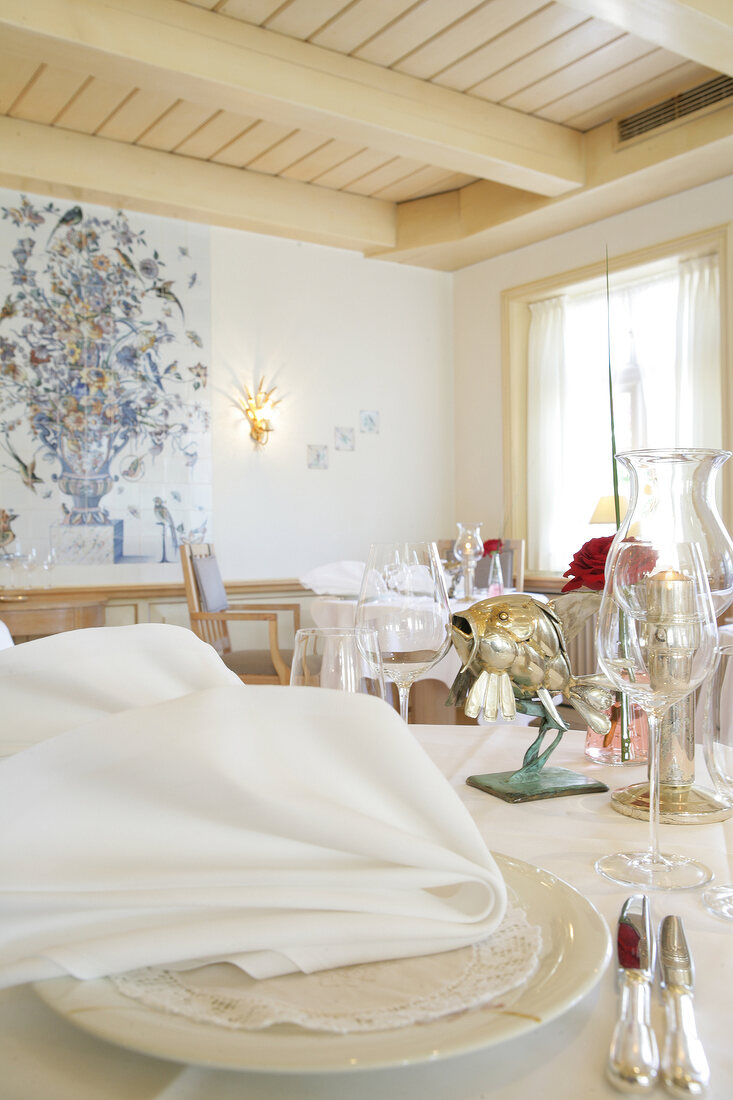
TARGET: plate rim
(126,1023)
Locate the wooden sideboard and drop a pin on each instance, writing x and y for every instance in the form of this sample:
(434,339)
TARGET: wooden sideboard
(33,613)
(37,614)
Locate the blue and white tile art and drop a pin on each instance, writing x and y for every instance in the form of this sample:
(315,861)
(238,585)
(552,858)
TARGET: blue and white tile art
(105,437)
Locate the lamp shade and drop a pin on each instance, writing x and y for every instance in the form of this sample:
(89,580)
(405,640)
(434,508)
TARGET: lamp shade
(605,512)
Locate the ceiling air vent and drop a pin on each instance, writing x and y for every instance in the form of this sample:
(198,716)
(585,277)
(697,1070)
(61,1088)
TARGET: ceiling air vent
(677,106)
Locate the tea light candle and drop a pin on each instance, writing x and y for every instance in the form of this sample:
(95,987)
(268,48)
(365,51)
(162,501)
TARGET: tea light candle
(670,595)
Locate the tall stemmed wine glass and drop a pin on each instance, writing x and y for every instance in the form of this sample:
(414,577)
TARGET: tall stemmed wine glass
(715,709)
(403,598)
(657,641)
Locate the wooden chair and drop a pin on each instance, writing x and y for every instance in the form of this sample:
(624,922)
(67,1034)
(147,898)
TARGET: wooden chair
(211,614)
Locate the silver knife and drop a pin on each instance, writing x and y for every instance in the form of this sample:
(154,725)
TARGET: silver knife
(633,1060)
(685,1069)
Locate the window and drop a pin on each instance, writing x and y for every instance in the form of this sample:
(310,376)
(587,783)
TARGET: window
(664,323)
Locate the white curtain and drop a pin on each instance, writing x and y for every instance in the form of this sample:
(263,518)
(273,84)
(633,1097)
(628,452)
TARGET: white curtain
(545,421)
(665,350)
(697,366)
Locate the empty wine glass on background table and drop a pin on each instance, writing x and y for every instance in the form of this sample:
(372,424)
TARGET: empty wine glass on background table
(331,657)
(657,641)
(403,599)
(715,712)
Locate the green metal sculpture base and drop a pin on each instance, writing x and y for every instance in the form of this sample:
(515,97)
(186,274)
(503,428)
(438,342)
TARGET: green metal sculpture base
(533,780)
(523,786)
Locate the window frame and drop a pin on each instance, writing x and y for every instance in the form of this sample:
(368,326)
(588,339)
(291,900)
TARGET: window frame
(515,315)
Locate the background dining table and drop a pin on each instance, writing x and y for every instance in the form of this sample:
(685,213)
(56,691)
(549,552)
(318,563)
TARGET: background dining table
(45,1057)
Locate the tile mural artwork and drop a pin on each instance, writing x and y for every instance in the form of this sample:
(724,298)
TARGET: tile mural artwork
(369,421)
(105,433)
(317,456)
(344,439)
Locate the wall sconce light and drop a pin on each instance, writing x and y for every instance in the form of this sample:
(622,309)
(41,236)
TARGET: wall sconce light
(258,409)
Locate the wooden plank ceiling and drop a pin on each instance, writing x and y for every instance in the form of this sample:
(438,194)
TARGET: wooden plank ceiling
(429,132)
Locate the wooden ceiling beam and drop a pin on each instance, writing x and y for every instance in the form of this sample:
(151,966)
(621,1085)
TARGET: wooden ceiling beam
(209,59)
(700,30)
(482,220)
(51,161)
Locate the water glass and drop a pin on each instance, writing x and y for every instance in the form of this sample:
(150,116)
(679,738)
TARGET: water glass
(332,657)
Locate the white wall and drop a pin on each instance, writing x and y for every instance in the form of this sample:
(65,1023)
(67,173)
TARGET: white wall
(477,320)
(337,334)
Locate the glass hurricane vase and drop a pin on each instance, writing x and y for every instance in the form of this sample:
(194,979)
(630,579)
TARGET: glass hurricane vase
(468,549)
(676,487)
(657,641)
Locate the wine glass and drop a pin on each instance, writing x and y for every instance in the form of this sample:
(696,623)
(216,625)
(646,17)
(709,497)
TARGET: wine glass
(334,657)
(657,641)
(403,598)
(715,710)
(31,567)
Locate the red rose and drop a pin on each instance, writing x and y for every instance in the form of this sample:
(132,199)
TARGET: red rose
(492,546)
(586,570)
(639,562)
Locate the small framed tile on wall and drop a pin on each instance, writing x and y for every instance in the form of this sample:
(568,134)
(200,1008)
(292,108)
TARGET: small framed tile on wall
(369,421)
(317,456)
(343,439)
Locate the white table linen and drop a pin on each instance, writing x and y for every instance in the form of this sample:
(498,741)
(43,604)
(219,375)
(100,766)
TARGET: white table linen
(267,826)
(56,683)
(336,578)
(45,1056)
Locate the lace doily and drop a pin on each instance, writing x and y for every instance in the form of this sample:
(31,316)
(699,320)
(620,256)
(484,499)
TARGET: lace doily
(366,997)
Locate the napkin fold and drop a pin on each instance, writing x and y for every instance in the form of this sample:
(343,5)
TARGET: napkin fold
(337,578)
(278,828)
(57,683)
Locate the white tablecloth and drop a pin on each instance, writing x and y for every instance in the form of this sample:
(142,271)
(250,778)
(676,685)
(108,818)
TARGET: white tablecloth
(45,1058)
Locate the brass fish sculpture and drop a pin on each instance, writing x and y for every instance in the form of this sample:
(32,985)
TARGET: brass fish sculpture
(513,650)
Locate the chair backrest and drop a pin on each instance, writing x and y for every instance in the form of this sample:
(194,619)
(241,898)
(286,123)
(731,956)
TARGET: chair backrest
(506,559)
(445,549)
(204,589)
(518,548)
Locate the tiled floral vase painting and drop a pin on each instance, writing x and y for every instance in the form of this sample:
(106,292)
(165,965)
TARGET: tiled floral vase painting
(105,438)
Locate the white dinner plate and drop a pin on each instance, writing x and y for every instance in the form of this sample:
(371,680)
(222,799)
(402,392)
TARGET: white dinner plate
(576,951)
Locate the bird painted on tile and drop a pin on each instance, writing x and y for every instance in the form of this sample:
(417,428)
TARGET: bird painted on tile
(127,262)
(165,520)
(27,471)
(7,535)
(163,290)
(72,217)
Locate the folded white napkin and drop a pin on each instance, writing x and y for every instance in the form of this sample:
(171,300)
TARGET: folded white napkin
(59,682)
(337,578)
(279,828)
